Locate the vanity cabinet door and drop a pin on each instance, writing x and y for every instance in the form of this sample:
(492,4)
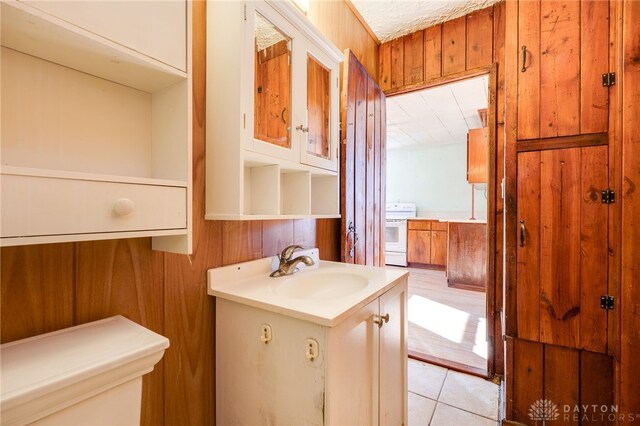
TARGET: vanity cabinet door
(352,390)
(393,356)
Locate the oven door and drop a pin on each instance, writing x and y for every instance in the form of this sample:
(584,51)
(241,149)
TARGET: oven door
(395,236)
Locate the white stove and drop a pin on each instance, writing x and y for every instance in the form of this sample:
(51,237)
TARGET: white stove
(395,232)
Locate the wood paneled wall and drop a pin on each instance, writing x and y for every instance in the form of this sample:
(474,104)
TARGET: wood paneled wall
(338,22)
(448,49)
(48,287)
(453,50)
(629,386)
(578,381)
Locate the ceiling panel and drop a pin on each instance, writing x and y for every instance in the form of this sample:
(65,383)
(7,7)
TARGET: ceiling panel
(440,115)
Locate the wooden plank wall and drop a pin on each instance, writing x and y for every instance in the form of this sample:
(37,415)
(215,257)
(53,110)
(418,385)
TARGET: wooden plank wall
(339,23)
(448,49)
(48,287)
(453,50)
(630,290)
(580,383)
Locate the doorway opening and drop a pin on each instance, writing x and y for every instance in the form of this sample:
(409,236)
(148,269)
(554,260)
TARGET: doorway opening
(440,143)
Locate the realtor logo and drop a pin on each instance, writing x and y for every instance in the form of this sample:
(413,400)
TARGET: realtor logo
(544,410)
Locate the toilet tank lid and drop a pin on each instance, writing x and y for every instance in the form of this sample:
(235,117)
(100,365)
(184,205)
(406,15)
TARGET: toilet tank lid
(42,364)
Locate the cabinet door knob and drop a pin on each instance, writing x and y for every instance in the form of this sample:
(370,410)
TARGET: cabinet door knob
(123,206)
(523,233)
(382,320)
(524,59)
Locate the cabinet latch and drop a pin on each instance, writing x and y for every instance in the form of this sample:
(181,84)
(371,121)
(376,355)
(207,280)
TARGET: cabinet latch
(609,79)
(608,196)
(606,302)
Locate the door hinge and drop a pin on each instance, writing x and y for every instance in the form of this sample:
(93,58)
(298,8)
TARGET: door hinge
(244,121)
(609,79)
(606,302)
(608,196)
(245,12)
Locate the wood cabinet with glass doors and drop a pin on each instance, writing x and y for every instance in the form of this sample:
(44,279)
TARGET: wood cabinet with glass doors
(272,114)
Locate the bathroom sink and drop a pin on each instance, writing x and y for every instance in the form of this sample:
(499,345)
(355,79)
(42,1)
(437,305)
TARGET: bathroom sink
(320,284)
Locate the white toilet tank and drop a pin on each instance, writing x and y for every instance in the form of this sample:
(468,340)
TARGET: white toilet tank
(90,374)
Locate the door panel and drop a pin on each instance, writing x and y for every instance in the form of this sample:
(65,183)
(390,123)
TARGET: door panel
(593,248)
(357,337)
(594,56)
(562,259)
(559,68)
(528,256)
(393,357)
(560,247)
(362,166)
(529,79)
(419,246)
(439,248)
(563,50)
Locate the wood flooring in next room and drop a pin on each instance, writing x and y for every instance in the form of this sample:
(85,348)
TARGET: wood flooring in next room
(444,322)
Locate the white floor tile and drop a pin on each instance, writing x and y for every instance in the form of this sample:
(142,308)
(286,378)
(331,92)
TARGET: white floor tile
(426,379)
(420,410)
(470,393)
(451,416)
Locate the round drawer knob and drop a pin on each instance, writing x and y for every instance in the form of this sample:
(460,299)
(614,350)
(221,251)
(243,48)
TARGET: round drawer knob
(123,206)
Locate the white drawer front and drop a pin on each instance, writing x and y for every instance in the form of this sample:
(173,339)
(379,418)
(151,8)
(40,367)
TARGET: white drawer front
(33,206)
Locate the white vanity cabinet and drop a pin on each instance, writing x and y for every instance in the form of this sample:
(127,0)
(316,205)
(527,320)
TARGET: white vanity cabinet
(358,375)
(272,114)
(96,122)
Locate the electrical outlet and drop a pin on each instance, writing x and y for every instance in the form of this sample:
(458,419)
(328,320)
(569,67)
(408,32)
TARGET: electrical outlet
(265,333)
(312,349)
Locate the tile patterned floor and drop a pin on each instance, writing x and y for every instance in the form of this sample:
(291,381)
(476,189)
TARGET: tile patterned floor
(438,396)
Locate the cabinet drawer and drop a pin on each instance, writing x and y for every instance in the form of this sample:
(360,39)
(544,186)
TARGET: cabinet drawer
(419,225)
(38,206)
(439,226)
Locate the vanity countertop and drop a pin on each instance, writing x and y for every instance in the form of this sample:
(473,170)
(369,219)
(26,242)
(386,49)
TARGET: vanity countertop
(249,283)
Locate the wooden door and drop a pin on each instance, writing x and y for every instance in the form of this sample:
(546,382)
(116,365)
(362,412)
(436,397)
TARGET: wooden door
(562,259)
(418,246)
(439,248)
(563,52)
(393,356)
(362,166)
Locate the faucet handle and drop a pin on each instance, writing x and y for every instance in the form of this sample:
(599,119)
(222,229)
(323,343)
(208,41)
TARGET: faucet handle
(288,252)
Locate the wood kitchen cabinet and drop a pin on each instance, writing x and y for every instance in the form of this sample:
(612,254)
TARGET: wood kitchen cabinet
(467,253)
(562,252)
(563,54)
(477,146)
(427,242)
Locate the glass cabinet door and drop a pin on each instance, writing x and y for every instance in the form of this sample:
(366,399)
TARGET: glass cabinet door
(318,108)
(272,91)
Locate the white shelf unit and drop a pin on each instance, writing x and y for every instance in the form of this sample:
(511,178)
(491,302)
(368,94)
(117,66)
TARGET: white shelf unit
(95,136)
(248,179)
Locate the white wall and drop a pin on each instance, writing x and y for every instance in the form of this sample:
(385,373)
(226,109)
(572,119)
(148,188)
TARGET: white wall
(435,178)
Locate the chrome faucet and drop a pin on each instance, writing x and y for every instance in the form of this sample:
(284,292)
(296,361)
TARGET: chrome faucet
(287,265)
